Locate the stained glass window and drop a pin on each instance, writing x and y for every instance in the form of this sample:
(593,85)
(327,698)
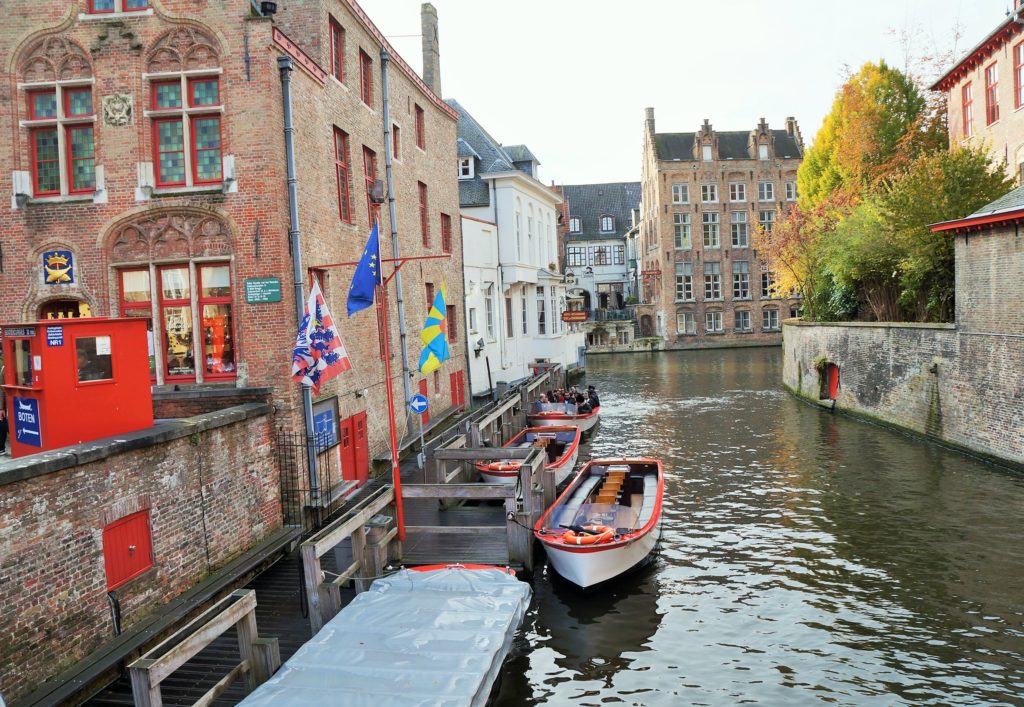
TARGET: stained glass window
(83,163)
(207,149)
(46,159)
(171,148)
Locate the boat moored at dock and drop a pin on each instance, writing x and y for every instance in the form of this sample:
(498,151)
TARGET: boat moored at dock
(606,522)
(555,414)
(561,444)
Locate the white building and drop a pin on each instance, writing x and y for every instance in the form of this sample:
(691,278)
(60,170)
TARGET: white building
(514,294)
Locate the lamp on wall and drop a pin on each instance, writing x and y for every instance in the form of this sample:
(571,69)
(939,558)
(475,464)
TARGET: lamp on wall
(478,347)
(268,9)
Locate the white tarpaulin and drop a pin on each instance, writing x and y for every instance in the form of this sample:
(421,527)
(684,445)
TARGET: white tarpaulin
(415,638)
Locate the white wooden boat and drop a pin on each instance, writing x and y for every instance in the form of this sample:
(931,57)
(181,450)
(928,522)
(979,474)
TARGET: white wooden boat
(553,414)
(606,522)
(561,444)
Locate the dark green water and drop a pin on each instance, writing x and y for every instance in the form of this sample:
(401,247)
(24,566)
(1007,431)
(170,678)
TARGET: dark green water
(805,558)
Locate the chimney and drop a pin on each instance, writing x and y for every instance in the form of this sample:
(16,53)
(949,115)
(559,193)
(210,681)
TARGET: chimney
(649,119)
(431,48)
(793,128)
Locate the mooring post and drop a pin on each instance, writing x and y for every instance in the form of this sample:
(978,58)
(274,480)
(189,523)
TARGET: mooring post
(376,550)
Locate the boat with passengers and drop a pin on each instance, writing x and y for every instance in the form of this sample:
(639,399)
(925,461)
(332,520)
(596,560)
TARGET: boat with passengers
(606,522)
(561,444)
(552,414)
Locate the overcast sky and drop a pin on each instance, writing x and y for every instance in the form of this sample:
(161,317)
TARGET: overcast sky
(571,78)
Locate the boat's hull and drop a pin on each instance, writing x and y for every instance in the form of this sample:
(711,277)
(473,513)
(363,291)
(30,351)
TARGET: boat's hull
(563,466)
(587,566)
(584,422)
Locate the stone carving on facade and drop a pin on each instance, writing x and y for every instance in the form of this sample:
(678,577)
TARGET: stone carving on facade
(170,234)
(183,49)
(54,58)
(117,110)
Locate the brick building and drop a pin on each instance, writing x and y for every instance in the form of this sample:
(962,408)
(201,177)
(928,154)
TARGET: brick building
(984,92)
(702,195)
(145,142)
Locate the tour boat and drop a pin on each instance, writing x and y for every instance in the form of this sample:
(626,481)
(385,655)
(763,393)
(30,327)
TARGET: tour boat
(562,445)
(606,522)
(553,414)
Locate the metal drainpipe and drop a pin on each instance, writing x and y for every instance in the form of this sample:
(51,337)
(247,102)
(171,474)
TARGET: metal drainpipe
(502,338)
(385,58)
(285,66)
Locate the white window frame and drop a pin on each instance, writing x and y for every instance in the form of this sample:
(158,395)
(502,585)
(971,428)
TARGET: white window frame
(62,123)
(607,224)
(762,152)
(466,168)
(684,282)
(713,282)
(713,322)
(706,153)
(766,191)
(709,193)
(471,316)
(680,193)
(489,311)
(745,325)
(576,256)
(770,319)
(681,231)
(767,220)
(741,280)
(739,227)
(575,224)
(737,191)
(686,325)
(710,229)
(791,193)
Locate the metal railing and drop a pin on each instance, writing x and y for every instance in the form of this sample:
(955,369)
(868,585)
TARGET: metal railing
(302,506)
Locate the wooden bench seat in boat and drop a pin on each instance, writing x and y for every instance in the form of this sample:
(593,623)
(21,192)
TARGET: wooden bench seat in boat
(650,497)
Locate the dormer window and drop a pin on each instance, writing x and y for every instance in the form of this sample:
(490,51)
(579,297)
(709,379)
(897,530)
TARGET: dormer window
(762,152)
(706,153)
(574,225)
(607,224)
(466,168)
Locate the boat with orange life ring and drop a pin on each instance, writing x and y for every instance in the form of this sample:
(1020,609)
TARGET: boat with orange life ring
(617,502)
(561,444)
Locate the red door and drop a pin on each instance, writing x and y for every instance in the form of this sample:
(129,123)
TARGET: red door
(348,451)
(833,381)
(362,447)
(458,383)
(423,391)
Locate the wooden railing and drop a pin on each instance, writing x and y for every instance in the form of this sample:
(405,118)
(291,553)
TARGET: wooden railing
(370,536)
(259,657)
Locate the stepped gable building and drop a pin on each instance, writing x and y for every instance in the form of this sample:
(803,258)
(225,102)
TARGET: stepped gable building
(703,193)
(143,142)
(984,92)
(515,295)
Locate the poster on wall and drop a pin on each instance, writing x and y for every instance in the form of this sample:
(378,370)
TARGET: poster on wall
(325,423)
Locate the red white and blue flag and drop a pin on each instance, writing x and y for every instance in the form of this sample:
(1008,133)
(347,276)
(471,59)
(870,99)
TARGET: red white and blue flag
(319,354)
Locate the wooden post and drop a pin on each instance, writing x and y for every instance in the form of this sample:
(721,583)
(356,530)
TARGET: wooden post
(358,550)
(475,435)
(143,693)
(521,542)
(312,576)
(375,552)
(247,633)
(266,656)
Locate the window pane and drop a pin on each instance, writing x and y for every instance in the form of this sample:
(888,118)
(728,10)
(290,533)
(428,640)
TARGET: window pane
(208,161)
(23,362)
(79,101)
(102,5)
(216,280)
(218,350)
(205,92)
(143,313)
(44,104)
(135,285)
(178,335)
(171,145)
(93,356)
(168,95)
(174,282)
(136,4)
(83,166)
(47,161)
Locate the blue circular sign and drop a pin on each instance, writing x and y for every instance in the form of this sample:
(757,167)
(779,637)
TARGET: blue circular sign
(419,403)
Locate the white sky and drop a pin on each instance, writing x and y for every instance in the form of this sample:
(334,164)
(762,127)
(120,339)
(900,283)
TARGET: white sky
(570,78)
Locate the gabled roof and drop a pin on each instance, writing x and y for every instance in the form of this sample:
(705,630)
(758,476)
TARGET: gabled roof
(589,202)
(492,155)
(520,153)
(979,54)
(732,145)
(1008,208)
(465,149)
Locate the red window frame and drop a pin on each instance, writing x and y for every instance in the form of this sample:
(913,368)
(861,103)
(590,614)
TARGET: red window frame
(1018,75)
(156,151)
(424,220)
(67,102)
(125,307)
(967,104)
(429,287)
(451,323)
(94,11)
(152,94)
(164,303)
(134,534)
(70,158)
(36,191)
(221,299)
(200,79)
(370,176)
(32,106)
(396,135)
(421,133)
(365,78)
(194,150)
(341,168)
(125,8)
(337,50)
(446,233)
(991,93)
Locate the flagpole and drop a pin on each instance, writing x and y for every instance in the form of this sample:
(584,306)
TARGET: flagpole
(396,474)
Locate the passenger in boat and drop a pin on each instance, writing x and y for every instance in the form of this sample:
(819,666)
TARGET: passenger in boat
(540,403)
(583,406)
(592,395)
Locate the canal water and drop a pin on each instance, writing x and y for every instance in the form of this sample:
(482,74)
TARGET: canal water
(805,558)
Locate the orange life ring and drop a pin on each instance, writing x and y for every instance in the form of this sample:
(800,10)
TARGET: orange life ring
(503,466)
(604,534)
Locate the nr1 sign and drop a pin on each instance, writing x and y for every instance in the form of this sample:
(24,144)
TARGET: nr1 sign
(54,336)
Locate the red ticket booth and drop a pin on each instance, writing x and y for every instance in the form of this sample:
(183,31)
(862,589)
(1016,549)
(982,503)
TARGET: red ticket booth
(75,380)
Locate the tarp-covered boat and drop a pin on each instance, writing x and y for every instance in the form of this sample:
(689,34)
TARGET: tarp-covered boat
(561,444)
(606,522)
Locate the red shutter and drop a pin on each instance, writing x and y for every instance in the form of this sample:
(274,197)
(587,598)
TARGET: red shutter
(127,549)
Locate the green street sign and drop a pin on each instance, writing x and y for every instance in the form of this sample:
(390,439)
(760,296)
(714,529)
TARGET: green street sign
(262,290)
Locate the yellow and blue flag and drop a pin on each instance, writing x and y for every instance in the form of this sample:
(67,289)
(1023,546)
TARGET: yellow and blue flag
(435,336)
(367,276)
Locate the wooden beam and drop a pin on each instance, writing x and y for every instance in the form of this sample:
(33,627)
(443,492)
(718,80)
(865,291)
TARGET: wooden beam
(483,454)
(472,491)
(457,529)
(223,684)
(347,524)
(312,576)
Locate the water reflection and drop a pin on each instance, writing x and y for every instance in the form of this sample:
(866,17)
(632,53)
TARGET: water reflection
(805,557)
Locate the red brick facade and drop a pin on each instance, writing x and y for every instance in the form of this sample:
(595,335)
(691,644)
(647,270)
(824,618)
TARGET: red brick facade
(235,226)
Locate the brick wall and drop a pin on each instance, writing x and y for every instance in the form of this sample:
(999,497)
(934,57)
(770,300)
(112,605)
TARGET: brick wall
(171,404)
(211,492)
(931,379)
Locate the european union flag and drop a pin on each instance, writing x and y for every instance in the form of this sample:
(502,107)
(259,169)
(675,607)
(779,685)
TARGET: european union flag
(368,275)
